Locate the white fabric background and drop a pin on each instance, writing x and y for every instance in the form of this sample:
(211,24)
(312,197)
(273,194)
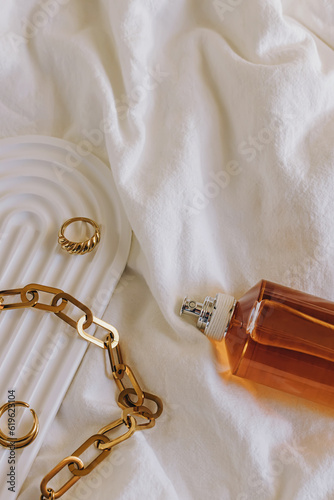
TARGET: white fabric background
(216,118)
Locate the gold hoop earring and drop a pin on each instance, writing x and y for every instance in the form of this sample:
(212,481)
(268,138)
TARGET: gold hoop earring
(21,442)
(79,248)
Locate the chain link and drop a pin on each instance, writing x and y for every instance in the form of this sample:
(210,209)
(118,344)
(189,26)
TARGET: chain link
(75,302)
(96,438)
(100,343)
(33,287)
(125,402)
(18,305)
(131,410)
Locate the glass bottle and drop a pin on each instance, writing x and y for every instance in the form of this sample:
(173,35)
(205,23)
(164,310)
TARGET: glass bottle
(274,335)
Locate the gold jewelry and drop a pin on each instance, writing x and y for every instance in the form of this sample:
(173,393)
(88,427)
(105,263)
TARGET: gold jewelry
(132,409)
(9,442)
(79,248)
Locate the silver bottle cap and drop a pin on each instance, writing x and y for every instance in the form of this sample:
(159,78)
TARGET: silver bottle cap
(214,315)
(203,312)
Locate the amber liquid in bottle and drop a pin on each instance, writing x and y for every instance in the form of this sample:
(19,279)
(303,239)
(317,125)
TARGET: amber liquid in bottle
(274,335)
(284,339)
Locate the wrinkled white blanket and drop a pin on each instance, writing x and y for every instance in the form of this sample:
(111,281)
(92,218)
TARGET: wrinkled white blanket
(216,118)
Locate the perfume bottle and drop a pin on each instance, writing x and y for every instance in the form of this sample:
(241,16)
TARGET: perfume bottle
(274,335)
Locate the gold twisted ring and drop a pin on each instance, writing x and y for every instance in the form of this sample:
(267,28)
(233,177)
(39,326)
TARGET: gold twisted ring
(9,442)
(79,248)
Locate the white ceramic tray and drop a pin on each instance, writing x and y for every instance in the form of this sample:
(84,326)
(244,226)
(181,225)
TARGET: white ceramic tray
(43,182)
